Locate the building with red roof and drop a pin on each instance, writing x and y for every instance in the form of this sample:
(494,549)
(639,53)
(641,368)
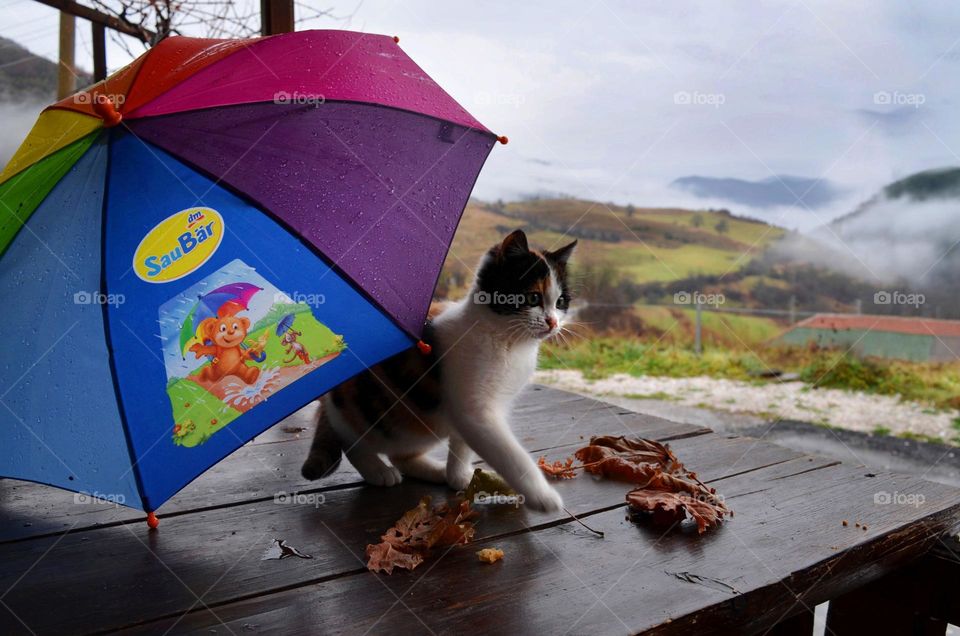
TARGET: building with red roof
(906,338)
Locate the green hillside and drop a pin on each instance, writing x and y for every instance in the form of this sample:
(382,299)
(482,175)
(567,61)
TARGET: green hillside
(642,244)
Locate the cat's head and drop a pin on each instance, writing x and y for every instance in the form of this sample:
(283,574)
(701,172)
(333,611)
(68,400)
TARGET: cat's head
(527,288)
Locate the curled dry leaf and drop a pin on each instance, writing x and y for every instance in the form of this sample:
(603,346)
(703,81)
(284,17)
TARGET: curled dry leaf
(664,488)
(408,542)
(666,508)
(558,469)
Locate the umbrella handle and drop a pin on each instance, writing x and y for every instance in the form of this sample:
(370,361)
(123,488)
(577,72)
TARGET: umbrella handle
(152,522)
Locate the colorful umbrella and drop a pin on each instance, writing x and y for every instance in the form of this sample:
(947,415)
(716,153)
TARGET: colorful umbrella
(285,323)
(323,169)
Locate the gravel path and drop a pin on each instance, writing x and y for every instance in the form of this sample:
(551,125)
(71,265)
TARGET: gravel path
(785,400)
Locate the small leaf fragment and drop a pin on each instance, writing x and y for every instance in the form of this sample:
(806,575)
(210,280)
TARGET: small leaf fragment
(490,555)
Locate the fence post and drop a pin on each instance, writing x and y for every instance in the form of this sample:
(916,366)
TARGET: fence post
(66,83)
(697,337)
(98,37)
(793,310)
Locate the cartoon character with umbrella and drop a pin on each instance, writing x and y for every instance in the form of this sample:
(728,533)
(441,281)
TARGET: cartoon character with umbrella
(218,332)
(288,338)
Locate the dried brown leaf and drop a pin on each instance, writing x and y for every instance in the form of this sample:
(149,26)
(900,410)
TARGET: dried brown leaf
(558,469)
(664,487)
(408,542)
(667,508)
(383,557)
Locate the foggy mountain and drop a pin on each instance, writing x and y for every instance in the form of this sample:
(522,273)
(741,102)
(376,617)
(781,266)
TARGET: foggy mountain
(28,83)
(910,230)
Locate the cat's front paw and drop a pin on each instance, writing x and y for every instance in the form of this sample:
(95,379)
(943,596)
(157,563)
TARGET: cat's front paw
(458,477)
(544,499)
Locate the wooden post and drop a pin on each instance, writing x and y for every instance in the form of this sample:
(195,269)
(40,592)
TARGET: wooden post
(109,21)
(276,16)
(99,36)
(66,77)
(697,333)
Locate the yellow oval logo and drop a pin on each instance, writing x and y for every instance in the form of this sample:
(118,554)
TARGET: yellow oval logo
(178,245)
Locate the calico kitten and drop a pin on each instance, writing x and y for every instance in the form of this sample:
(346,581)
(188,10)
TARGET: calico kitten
(484,350)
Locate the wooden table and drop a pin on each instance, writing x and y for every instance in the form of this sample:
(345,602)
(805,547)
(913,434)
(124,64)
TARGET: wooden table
(69,567)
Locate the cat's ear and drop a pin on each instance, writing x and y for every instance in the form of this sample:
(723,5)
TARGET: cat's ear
(562,255)
(514,245)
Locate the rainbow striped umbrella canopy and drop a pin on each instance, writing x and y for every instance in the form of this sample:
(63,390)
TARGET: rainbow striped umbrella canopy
(322,173)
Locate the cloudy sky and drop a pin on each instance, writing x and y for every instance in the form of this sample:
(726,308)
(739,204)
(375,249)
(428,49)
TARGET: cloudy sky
(614,100)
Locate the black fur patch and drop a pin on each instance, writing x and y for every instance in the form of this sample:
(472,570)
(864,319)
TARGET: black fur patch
(512,275)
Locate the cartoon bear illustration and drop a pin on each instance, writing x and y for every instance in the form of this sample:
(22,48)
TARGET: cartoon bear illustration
(229,358)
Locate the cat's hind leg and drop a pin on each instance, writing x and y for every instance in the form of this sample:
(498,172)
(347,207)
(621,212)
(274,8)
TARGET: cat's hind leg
(359,451)
(371,466)
(421,467)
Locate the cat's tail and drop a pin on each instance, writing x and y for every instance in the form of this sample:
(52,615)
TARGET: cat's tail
(325,452)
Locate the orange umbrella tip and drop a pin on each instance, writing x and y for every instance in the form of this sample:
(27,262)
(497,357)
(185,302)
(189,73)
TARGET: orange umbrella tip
(503,139)
(424,348)
(104,107)
(152,522)
(396,39)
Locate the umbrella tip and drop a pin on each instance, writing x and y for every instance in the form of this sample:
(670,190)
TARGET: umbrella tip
(503,139)
(424,348)
(105,108)
(152,522)
(396,39)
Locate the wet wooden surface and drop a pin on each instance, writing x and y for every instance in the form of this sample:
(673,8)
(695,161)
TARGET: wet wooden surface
(69,567)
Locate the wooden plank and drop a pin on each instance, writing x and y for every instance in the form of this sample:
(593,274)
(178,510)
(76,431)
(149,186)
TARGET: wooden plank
(66,73)
(276,16)
(74,8)
(799,625)
(917,599)
(216,553)
(271,464)
(98,40)
(783,542)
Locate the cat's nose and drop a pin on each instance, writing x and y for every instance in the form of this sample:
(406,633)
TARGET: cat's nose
(551,322)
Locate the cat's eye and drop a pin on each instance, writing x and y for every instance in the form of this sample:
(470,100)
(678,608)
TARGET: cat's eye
(563,302)
(534,299)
